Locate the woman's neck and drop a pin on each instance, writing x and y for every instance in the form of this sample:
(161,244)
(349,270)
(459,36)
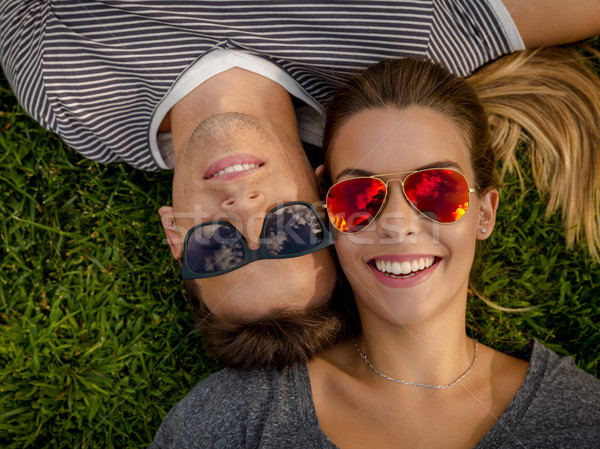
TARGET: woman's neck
(423,353)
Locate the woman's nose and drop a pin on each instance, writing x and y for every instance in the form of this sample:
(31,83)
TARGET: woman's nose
(398,220)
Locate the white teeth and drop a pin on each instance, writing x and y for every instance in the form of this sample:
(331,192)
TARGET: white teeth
(235,168)
(406,267)
(403,268)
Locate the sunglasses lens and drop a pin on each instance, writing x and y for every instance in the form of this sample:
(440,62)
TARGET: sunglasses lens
(354,203)
(213,248)
(441,195)
(292,229)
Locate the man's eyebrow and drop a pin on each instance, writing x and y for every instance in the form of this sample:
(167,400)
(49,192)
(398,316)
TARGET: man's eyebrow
(357,172)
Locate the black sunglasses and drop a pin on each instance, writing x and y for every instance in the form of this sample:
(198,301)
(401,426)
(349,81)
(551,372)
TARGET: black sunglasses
(290,230)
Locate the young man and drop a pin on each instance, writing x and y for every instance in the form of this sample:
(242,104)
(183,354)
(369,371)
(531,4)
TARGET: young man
(201,87)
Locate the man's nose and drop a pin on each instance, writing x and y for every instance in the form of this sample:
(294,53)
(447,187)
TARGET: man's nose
(246,210)
(398,220)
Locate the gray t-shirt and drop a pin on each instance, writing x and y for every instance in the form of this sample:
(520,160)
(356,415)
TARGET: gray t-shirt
(557,406)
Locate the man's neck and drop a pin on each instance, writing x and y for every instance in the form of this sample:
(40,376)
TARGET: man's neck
(235,90)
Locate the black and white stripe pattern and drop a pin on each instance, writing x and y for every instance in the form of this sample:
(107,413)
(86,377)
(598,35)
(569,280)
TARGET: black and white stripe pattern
(94,71)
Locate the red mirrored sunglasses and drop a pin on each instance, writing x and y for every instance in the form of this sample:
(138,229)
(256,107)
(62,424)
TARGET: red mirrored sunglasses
(441,195)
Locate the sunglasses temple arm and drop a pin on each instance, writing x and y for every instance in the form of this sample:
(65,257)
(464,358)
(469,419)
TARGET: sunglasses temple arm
(329,236)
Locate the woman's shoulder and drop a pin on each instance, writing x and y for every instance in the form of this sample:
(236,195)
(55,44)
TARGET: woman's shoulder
(558,383)
(226,392)
(227,407)
(226,386)
(557,405)
(550,371)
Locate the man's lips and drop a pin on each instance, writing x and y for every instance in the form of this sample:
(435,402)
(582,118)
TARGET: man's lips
(236,163)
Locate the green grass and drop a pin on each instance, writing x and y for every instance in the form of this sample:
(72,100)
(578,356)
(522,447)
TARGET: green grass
(96,340)
(95,334)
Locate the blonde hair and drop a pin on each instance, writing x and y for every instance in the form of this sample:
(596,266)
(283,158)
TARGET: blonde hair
(549,98)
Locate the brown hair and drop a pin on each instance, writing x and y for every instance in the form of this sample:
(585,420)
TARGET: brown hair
(280,338)
(550,98)
(404,83)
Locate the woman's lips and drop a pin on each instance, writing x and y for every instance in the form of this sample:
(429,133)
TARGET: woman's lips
(403,271)
(233,166)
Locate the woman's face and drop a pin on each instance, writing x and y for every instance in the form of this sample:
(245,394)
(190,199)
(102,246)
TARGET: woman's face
(392,141)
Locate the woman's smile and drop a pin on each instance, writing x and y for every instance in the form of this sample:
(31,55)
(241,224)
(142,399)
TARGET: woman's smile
(403,271)
(402,268)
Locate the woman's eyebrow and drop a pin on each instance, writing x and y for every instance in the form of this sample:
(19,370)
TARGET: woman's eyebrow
(356,172)
(440,164)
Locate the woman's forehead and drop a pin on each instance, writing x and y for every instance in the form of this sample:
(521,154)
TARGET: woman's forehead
(391,140)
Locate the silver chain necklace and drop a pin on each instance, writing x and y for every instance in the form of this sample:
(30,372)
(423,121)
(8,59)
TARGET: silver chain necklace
(416,384)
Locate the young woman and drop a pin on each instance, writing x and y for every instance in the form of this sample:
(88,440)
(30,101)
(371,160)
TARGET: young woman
(414,189)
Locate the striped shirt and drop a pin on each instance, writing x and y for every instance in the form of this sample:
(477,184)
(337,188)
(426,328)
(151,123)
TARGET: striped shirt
(94,72)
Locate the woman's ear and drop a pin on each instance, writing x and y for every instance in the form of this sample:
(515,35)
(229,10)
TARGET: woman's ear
(167,218)
(488,205)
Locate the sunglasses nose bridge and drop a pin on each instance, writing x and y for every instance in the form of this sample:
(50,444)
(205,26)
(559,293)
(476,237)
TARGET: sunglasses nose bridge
(398,216)
(247,225)
(395,187)
(252,230)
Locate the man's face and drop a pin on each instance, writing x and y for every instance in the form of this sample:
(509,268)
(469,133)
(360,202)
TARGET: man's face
(235,169)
